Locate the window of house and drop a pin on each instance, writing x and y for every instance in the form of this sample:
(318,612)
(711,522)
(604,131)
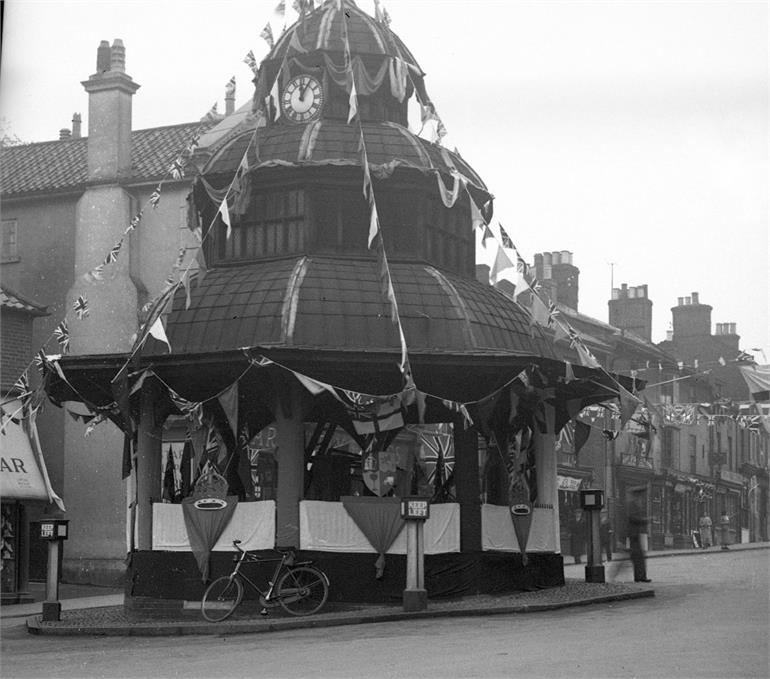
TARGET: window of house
(9,246)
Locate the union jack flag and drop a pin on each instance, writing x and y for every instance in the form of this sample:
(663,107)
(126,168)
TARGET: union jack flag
(505,238)
(112,255)
(81,307)
(62,335)
(437,454)
(155,197)
(176,170)
(41,361)
(251,61)
(553,312)
(134,222)
(267,35)
(22,383)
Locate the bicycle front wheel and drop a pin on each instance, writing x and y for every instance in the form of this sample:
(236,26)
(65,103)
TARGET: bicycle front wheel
(221,598)
(302,590)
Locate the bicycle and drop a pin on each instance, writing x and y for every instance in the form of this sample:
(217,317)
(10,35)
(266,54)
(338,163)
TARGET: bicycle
(299,587)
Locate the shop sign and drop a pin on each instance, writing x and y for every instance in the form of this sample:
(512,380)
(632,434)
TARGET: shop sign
(569,483)
(20,476)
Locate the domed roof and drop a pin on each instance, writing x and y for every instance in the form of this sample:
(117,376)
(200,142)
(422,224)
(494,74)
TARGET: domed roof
(336,303)
(323,29)
(331,142)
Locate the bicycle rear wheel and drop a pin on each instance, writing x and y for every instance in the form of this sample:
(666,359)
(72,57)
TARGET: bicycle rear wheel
(221,598)
(302,590)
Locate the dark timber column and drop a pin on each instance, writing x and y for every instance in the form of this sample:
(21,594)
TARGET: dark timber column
(467,484)
(148,463)
(291,462)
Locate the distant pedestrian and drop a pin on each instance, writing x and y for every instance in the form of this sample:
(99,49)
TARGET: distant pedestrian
(577,535)
(637,526)
(704,527)
(724,522)
(605,534)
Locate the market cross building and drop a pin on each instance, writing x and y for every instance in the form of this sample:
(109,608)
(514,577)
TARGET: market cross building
(334,313)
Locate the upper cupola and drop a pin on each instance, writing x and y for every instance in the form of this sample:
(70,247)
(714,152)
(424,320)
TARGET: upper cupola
(310,72)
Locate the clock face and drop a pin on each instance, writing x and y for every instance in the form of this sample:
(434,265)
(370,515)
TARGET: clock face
(302,99)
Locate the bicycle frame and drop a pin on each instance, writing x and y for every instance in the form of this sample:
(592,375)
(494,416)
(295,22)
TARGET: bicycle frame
(266,598)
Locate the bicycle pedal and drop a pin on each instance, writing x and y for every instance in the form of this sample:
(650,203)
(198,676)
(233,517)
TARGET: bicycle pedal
(263,611)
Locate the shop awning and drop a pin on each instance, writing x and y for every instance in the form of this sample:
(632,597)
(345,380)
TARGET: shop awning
(22,472)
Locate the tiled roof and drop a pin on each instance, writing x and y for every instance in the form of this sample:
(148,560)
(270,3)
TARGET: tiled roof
(55,166)
(13,300)
(336,304)
(329,142)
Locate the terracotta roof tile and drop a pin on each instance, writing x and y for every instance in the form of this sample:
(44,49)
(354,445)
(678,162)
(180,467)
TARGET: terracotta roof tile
(13,300)
(55,166)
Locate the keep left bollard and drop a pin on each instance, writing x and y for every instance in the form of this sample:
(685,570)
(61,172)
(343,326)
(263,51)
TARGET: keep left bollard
(415,511)
(592,501)
(54,531)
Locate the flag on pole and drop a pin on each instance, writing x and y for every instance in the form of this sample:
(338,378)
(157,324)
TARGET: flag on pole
(159,332)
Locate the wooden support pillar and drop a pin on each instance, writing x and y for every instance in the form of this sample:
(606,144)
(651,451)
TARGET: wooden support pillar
(545,463)
(467,485)
(290,456)
(148,464)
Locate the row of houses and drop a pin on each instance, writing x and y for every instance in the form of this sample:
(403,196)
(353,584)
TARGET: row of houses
(698,445)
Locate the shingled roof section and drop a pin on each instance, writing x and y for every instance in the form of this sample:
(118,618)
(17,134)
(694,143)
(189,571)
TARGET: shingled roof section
(329,142)
(327,303)
(61,166)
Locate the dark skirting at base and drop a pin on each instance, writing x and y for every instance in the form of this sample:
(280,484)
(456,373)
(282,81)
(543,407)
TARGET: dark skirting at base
(175,575)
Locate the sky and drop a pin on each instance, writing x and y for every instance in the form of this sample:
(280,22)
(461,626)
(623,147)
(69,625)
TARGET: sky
(634,134)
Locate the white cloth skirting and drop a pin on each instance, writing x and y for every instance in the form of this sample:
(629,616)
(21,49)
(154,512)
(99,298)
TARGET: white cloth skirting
(498,534)
(253,523)
(326,526)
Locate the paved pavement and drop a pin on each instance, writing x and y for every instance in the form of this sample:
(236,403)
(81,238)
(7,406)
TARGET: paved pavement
(96,611)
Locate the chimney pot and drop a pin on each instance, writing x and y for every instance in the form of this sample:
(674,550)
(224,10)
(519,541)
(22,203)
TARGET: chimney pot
(556,257)
(680,301)
(566,257)
(547,259)
(688,300)
(64,133)
(76,125)
(103,57)
(615,293)
(695,298)
(118,60)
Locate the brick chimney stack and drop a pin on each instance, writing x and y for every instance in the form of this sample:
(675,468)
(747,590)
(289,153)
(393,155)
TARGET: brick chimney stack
(631,309)
(105,208)
(76,123)
(110,93)
(691,318)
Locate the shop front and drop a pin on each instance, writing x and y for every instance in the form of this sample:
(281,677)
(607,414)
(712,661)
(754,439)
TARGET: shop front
(25,492)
